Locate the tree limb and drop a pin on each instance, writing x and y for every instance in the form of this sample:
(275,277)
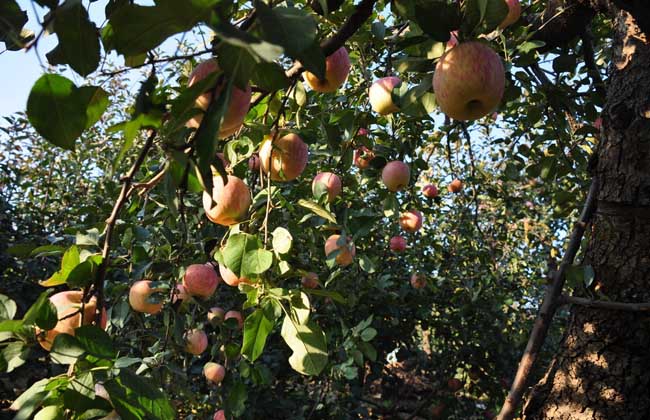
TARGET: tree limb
(603,304)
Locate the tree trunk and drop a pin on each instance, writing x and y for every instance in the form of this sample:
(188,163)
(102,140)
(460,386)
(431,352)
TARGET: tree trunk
(602,368)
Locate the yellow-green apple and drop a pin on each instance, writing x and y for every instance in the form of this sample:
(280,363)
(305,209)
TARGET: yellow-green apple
(180,293)
(455,186)
(346,251)
(237,106)
(216,315)
(396,175)
(454,384)
(214,372)
(362,157)
(397,244)
(219,415)
(469,81)
(254,163)
(411,221)
(418,281)
(289,157)
(514,11)
(69,306)
(331,182)
(235,315)
(196,341)
(337,68)
(430,191)
(140,295)
(230,278)
(228,203)
(309,280)
(380,95)
(201,280)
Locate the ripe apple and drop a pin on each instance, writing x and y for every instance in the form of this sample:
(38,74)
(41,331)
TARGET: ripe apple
(362,132)
(216,315)
(454,384)
(396,175)
(196,342)
(514,11)
(337,68)
(237,106)
(346,253)
(254,163)
(418,281)
(180,293)
(289,157)
(139,295)
(232,201)
(397,244)
(219,415)
(430,191)
(230,278)
(469,81)
(411,221)
(201,280)
(362,157)
(68,303)
(235,315)
(331,182)
(214,372)
(309,280)
(455,186)
(380,97)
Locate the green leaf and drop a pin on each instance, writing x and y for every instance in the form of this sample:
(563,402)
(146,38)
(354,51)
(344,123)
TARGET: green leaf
(14,355)
(282,240)
(90,238)
(256,262)
(96,101)
(78,38)
(307,341)
(237,63)
(66,349)
(50,412)
(256,329)
(69,262)
(235,403)
(437,18)
(368,334)
(42,312)
(7,308)
(528,46)
(184,107)
(235,250)
(28,401)
(134,398)
(11,25)
(95,341)
(281,25)
(315,208)
(313,60)
(335,296)
(269,76)
(235,36)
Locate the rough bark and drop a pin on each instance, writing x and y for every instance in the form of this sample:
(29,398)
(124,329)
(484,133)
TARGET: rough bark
(602,369)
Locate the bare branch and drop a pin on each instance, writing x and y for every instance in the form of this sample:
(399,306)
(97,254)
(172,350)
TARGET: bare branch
(603,304)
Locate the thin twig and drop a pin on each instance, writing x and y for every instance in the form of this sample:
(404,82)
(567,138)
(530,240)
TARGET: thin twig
(156,61)
(603,304)
(547,309)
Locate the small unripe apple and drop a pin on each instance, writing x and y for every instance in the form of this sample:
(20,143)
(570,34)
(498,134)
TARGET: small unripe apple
(362,157)
(214,372)
(430,191)
(514,11)
(237,106)
(337,68)
(469,81)
(235,315)
(289,157)
(454,384)
(411,221)
(232,201)
(418,281)
(180,293)
(216,315)
(455,186)
(219,415)
(380,96)
(396,175)
(346,253)
(196,342)
(331,182)
(397,244)
(254,163)
(230,278)
(139,295)
(362,132)
(309,280)
(201,280)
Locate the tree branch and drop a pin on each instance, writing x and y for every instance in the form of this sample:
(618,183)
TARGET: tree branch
(640,11)
(547,309)
(603,304)
(592,68)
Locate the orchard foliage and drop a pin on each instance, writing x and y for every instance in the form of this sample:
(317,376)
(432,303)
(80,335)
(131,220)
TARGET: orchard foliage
(331,304)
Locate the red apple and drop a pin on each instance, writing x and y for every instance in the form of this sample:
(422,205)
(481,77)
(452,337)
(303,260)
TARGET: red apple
(196,342)
(396,175)
(337,68)
(397,244)
(230,278)
(237,107)
(309,280)
(418,281)
(514,11)
(454,384)
(430,191)
(289,157)
(362,132)
(216,315)
(235,315)
(346,253)
(455,186)
(68,306)
(362,157)
(219,415)
(232,201)
(139,295)
(201,280)
(331,182)
(214,372)
(437,411)
(469,81)
(380,96)
(411,221)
